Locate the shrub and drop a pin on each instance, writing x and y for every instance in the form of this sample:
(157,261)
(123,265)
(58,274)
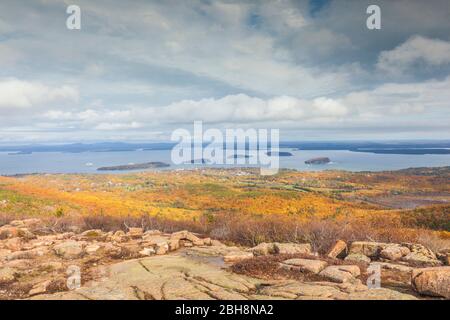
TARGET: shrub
(59,212)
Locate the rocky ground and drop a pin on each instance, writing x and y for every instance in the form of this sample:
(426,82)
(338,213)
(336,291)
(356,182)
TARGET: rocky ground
(149,264)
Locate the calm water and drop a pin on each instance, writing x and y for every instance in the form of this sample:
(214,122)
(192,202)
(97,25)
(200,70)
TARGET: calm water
(88,162)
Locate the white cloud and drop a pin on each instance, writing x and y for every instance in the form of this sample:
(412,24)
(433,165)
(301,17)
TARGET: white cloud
(282,16)
(420,97)
(393,104)
(392,101)
(16,93)
(417,49)
(242,108)
(118,126)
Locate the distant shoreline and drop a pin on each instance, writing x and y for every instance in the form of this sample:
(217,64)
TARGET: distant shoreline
(387,147)
(416,151)
(420,170)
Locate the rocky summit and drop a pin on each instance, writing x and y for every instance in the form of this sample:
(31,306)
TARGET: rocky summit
(150,264)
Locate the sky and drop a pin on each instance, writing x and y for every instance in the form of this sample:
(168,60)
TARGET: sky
(137,70)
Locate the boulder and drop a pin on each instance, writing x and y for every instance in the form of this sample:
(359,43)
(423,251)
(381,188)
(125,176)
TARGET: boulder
(13,244)
(367,248)
(419,259)
(19,255)
(235,256)
(112,250)
(147,252)
(186,235)
(395,267)
(7,274)
(69,250)
(194,239)
(161,248)
(8,232)
(27,254)
(341,274)
(119,233)
(93,234)
(151,236)
(263,249)
(174,245)
(40,288)
(217,243)
(119,236)
(292,248)
(26,234)
(20,264)
(129,250)
(432,281)
(198,242)
(64,236)
(38,243)
(151,233)
(135,233)
(153,240)
(26,223)
(110,234)
(92,248)
(339,250)
(4,253)
(394,252)
(304,265)
(357,258)
(179,235)
(420,255)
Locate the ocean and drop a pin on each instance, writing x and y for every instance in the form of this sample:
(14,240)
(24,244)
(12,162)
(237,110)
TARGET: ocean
(88,162)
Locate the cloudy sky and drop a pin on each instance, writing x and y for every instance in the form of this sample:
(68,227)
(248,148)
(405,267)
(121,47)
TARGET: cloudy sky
(139,69)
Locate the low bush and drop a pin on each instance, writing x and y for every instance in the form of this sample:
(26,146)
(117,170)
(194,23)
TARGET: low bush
(250,230)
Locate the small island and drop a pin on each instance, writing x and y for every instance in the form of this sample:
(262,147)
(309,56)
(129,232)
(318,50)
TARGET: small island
(137,166)
(18,153)
(320,160)
(279,154)
(239,156)
(200,161)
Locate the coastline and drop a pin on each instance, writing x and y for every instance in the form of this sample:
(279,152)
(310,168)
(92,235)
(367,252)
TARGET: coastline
(212,168)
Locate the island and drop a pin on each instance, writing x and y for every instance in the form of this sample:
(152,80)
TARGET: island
(239,156)
(18,153)
(137,166)
(200,161)
(320,160)
(279,154)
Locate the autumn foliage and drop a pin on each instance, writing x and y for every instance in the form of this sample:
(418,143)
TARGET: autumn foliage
(240,205)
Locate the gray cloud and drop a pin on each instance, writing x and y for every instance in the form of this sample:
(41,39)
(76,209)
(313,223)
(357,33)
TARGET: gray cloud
(414,51)
(138,69)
